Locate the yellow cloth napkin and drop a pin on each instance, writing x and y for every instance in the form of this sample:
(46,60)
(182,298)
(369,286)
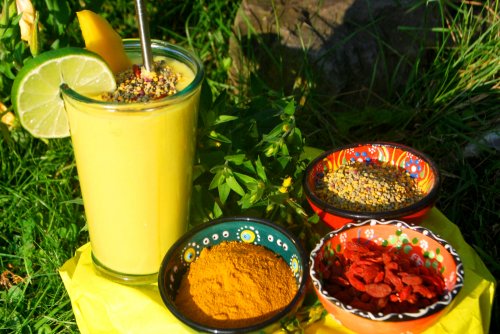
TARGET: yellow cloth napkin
(102,306)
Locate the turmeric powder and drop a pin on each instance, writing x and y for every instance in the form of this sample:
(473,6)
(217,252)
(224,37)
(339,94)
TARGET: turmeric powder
(235,284)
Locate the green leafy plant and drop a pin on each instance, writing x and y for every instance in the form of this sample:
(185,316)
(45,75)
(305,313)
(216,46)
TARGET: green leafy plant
(250,162)
(13,50)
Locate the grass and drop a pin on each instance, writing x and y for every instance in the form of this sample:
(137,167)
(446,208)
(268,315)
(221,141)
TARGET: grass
(447,104)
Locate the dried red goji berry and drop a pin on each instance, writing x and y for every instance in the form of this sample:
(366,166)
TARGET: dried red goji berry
(424,291)
(378,290)
(356,283)
(137,70)
(411,279)
(381,302)
(380,279)
(393,279)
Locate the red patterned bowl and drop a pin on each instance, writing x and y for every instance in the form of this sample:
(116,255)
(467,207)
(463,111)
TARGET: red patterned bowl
(418,165)
(419,244)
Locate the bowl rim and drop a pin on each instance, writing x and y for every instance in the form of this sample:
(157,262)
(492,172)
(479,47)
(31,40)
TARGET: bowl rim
(426,201)
(392,317)
(301,290)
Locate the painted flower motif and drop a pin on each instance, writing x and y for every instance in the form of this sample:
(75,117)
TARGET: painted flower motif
(247,236)
(294,264)
(398,240)
(343,237)
(431,255)
(189,255)
(361,157)
(392,239)
(404,238)
(369,233)
(424,244)
(412,165)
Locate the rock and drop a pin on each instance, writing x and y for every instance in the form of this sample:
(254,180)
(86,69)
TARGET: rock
(358,51)
(490,140)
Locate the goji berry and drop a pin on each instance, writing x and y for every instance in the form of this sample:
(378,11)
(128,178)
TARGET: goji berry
(380,279)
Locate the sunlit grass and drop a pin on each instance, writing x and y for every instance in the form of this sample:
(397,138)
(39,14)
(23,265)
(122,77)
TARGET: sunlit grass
(446,105)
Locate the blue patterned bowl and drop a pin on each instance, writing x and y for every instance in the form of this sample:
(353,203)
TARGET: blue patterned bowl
(240,229)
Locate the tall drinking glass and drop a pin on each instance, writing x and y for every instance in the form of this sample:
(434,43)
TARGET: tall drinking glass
(134,162)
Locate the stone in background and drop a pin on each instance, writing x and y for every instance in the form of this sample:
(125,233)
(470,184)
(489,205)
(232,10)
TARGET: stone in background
(356,49)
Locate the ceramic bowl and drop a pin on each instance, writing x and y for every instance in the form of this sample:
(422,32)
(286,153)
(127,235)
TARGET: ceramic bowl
(417,164)
(422,246)
(240,229)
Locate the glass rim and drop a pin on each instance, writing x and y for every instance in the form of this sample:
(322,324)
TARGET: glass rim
(176,52)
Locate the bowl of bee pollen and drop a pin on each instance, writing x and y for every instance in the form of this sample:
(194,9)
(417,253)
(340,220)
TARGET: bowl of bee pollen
(377,180)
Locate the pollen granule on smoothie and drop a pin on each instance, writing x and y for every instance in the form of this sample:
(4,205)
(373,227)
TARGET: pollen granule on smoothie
(140,85)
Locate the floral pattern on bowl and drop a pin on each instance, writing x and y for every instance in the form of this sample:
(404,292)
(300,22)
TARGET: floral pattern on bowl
(416,164)
(396,155)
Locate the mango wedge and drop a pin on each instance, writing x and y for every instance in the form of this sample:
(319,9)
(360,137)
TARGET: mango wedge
(102,39)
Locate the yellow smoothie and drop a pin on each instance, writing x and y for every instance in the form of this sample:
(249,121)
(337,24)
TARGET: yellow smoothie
(134,165)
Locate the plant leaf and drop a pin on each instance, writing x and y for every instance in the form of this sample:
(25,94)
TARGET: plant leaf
(224,191)
(236,158)
(217,210)
(224,118)
(290,108)
(217,180)
(219,137)
(235,186)
(261,172)
(245,178)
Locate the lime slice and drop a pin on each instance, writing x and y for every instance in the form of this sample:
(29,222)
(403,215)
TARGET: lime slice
(36,93)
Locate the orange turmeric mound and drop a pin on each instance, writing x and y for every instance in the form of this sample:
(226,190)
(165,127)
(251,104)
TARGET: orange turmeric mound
(235,284)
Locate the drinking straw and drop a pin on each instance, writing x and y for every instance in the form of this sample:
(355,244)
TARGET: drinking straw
(142,18)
